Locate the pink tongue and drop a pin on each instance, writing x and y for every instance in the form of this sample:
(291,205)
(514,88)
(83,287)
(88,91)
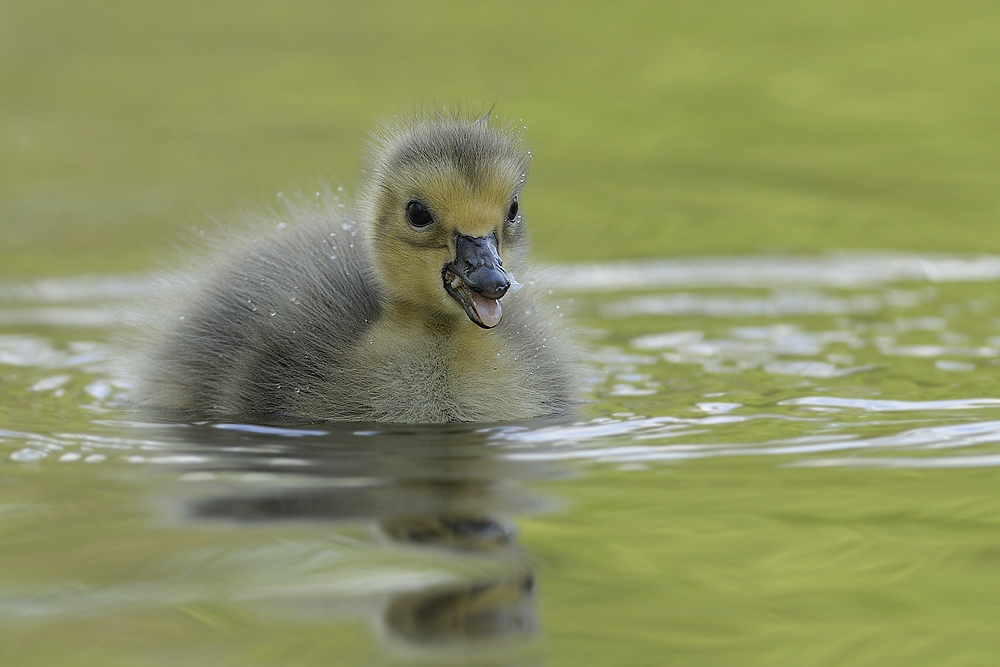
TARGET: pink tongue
(488,310)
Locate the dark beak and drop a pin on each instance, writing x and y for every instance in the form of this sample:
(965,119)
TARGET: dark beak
(476,279)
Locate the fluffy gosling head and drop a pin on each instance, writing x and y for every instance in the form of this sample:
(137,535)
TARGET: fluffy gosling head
(445,222)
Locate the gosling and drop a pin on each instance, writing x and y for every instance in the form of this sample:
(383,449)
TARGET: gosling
(405,307)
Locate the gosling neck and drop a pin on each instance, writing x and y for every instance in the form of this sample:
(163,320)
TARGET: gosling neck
(408,315)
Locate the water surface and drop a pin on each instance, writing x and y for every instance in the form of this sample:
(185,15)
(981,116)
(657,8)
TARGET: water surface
(780,460)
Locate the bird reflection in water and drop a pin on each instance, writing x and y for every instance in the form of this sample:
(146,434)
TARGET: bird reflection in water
(444,493)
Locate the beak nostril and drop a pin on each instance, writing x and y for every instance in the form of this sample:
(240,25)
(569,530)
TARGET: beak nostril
(478,264)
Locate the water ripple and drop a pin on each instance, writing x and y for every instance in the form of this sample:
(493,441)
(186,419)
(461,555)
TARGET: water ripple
(852,270)
(893,406)
(792,359)
(951,436)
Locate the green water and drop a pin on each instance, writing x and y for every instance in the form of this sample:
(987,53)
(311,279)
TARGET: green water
(788,454)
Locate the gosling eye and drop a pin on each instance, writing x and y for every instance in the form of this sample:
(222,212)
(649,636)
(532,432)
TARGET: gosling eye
(512,211)
(418,215)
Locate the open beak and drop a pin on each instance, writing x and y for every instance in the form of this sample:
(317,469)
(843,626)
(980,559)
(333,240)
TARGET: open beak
(476,279)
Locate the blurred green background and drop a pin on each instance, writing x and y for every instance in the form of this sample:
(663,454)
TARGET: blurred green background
(658,128)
